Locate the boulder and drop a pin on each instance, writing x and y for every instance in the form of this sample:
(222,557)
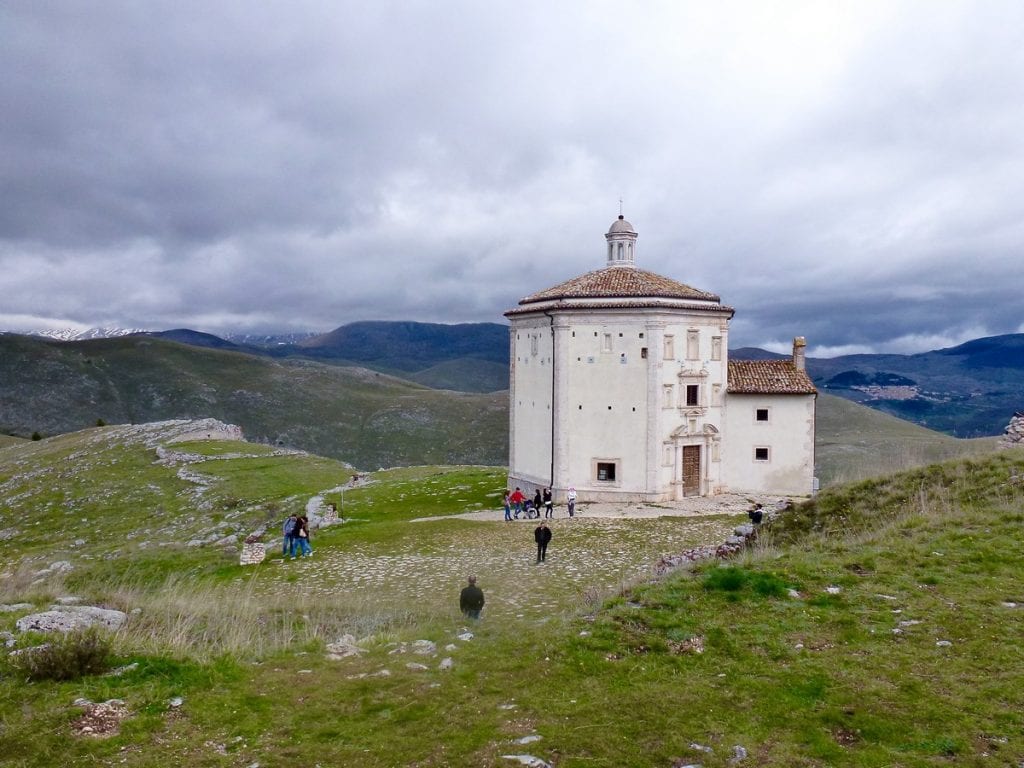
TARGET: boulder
(71,617)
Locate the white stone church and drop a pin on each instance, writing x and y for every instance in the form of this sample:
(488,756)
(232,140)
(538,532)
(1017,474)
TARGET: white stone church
(621,387)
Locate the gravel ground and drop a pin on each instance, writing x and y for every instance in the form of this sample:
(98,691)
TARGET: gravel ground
(602,548)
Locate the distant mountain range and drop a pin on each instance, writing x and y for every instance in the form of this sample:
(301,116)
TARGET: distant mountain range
(970,390)
(73,334)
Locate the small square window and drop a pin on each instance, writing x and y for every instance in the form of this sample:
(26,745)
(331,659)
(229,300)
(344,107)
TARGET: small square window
(762,414)
(760,454)
(606,471)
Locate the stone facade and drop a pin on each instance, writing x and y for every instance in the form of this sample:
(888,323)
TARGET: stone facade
(620,385)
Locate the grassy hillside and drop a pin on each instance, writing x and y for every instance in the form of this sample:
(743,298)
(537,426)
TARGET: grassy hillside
(855,442)
(878,626)
(968,391)
(6,440)
(368,419)
(359,416)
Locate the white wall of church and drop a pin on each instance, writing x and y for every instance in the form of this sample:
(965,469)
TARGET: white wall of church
(621,381)
(605,424)
(770,444)
(531,391)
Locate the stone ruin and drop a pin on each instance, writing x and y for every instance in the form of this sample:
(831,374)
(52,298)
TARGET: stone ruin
(1013,435)
(254,551)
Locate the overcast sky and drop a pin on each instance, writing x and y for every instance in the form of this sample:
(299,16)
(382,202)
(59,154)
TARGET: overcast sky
(848,171)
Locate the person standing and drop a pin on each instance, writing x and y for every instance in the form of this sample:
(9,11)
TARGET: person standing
(537,502)
(508,506)
(548,512)
(570,498)
(471,600)
(517,500)
(288,542)
(542,535)
(302,537)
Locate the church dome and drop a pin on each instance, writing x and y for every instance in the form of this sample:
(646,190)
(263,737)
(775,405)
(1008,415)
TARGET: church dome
(621,225)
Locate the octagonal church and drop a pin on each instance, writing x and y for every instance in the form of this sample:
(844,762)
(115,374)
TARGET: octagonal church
(622,388)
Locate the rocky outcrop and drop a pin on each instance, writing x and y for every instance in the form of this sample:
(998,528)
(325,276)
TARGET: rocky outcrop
(71,617)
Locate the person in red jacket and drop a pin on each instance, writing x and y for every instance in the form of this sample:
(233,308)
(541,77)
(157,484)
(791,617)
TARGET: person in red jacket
(517,500)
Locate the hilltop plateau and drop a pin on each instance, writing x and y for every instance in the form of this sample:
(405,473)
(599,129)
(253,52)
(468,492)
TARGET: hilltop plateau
(876,625)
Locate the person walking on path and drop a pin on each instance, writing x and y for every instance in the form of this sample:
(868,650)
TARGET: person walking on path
(302,537)
(570,497)
(288,542)
(517,500)
(542,535)
(508,506)
(471,600)
(548,513)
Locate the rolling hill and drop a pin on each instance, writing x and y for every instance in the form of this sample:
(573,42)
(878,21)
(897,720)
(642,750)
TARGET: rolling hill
(363,417)
(967,391)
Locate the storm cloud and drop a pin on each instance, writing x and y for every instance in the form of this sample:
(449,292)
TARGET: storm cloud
(851,172)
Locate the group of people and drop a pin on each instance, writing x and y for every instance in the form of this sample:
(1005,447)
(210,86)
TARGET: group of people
(296,537)
(516,503)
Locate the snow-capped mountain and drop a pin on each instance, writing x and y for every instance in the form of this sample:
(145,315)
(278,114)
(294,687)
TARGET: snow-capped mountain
(73,334)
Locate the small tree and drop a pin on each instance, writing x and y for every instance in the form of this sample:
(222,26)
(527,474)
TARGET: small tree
(100,423)
(36,436)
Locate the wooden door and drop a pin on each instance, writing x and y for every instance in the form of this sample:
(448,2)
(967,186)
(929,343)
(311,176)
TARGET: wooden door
(691,470)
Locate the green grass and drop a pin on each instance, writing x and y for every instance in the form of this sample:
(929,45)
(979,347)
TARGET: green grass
(854,442)
(588,651)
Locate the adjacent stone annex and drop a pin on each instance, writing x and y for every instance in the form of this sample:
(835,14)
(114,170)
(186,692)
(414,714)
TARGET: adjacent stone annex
(621,387)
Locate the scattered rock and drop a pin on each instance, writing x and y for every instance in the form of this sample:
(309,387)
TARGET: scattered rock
(943,643)
(68,600)
(412,665)
(833,590)
(424,648)
(16,607)
(701,747)
(465,636)
(61,566)
(794,594)
(70,618)
(344,648)
(176,702)
(738,754)
(99,720)
(7,638)
(253,553)
(528,739)
(123,670)
(446,664)
(528,760)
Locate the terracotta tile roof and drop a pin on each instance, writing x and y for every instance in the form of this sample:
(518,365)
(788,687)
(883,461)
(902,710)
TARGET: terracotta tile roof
(620,282)
(768,377)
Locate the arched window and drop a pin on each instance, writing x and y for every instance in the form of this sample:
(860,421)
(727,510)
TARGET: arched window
(620,252)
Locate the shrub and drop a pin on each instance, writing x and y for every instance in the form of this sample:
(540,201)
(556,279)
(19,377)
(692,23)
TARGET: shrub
(66,657)
(100,423)
(36,436)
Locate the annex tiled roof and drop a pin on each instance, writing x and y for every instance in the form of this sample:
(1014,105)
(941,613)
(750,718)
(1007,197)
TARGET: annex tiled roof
(768,377)
(620,282)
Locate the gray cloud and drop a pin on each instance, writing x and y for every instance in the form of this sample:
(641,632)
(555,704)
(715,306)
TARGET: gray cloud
(852,174)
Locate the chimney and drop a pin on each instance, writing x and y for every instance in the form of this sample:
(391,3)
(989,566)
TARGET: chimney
(799,353)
